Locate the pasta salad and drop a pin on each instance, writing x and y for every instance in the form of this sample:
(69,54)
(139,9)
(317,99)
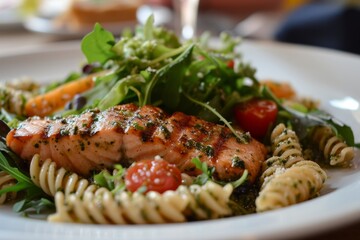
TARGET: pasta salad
(153,130)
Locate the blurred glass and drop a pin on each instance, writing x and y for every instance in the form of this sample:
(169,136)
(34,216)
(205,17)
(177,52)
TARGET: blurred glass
(186,12)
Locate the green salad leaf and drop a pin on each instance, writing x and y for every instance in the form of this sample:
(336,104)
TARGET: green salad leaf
(114,182)
(23,181)
(97,45)
(38,205)
(171,76)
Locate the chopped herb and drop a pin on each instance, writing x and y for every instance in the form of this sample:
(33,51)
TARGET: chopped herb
(137,126)
(237,162)
(165,131)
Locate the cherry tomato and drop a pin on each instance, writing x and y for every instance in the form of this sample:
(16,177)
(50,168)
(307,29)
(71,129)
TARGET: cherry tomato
(230,64)
(256,116)
(154,175)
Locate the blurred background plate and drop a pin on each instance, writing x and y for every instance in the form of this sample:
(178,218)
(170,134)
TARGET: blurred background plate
(9,16)
(46,23)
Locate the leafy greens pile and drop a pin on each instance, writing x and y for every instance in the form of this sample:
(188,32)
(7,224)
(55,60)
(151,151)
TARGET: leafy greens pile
(151,67)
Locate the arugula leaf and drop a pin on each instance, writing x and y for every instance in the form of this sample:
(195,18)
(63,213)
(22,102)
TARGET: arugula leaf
(207,173)
(24,183)
(120,91)
(173,80)
(39,205)
(23,180)
(229,43)
(104,179)
(97,45)
(113,182)
(244,138)
(149,28)
(183,58)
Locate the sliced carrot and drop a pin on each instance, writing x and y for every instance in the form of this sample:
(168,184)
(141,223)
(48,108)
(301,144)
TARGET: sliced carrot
(47,103)
(280,89)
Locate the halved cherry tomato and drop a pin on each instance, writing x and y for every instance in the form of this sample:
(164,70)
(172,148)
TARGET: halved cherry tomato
(256,116)
(154,175)
(230,64)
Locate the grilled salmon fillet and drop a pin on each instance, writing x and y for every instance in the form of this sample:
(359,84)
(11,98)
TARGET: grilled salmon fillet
(126,133)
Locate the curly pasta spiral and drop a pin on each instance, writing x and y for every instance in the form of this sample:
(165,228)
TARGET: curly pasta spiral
(6,181)
(51,179)
(300,182)
(286,151)
(104,207)
(209,201)
(285,143)
(336,151)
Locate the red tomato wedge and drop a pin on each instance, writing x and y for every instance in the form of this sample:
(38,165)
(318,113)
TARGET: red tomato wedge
(256,116)
(230,64)
(153,175)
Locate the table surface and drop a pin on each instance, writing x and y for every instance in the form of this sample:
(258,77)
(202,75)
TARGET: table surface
(15,40)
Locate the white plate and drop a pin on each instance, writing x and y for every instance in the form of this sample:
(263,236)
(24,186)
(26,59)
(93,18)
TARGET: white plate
(326,75)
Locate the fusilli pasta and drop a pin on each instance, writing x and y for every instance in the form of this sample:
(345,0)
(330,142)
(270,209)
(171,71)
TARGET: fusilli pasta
(77,200)
(287,178)
(286,151)
(296,184)
(51,179)
(104,207)
(6,181)
(335,151)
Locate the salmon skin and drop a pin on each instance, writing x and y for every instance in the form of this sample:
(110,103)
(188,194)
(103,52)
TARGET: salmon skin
(126,133)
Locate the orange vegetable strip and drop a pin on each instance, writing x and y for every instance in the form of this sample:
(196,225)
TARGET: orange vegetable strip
(280,89)
(48,103)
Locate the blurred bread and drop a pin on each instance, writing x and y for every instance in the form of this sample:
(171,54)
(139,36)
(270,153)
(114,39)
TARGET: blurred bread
(85,13)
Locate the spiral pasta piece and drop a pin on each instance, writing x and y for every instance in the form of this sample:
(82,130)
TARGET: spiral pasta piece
(334,150)
(296,184)
(285,143)
(77,200)
(6,180)
(52,179)
(286,151)
(209,201)
(104,207)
